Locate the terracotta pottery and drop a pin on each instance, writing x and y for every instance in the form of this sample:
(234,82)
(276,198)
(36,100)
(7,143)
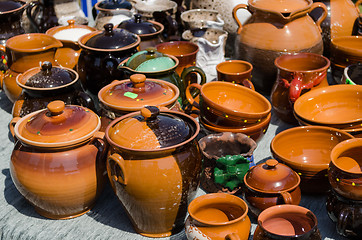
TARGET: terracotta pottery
(346,213)
(235,71)
(344,52)
(67,56)
(269,184)
(276,28)
(352,74)
(344,174)
(58,160)
(42,85)
(307,151)
(149,31)
(227,104)
(26,51)
(218,216)
(202,18)
(154,167)
(287,222)
(122,97)
(297,74)
(236,151)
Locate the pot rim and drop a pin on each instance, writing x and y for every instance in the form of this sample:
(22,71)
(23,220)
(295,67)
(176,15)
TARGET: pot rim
(56,43)
(234,61)
(324,68)
(336,43)
(160,28)
(342,147)
(96,6)
(172,43)
(25,4)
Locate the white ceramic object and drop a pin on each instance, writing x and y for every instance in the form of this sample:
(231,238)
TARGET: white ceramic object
(202,18)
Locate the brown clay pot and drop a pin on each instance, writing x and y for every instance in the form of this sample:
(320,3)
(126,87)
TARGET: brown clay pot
(58,160)
(218,216)
(269,184)
(154,167)
(274,29)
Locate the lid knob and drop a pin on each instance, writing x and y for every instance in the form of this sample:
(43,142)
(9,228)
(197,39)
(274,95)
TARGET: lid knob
(150,112)
(108,29)
(71,22)
(138,80)
(137,18)
(46,67)
(56,107)
(271,163)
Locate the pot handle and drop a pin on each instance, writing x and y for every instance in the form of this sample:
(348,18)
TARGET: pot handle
(83,99)
(189,97)
(101,145)
(342,221)
(3,49)
(232,236)
(359,2)
(31,18)
(110,59)
(323,16)
(235,9)
(12,125)
(287,198)
(186,72)
(247,83)
(116,169)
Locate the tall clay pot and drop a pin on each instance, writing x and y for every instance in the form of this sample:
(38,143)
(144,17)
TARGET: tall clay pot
(275,28)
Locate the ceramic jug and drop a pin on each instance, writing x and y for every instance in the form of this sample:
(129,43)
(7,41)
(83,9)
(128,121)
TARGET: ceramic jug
(275,28)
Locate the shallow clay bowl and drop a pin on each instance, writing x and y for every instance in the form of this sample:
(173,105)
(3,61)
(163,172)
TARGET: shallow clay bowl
(345,172)
(334,106)
(306,150)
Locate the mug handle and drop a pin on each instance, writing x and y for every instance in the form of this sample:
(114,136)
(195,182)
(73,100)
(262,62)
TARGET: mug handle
(323,16)
(116,161)
(189,97)
(287,198)
(235,9)
(342,220)
(232,236)
(3,49)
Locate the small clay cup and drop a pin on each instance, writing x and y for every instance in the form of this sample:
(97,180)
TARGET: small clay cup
(287,222)
(345,174)
(235,71)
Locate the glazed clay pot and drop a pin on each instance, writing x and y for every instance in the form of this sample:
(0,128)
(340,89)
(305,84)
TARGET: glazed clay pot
(269,184)
(42,85)
(284,222)
(218,216)
(274,29)
(58,160)
(296,75)
(154,167)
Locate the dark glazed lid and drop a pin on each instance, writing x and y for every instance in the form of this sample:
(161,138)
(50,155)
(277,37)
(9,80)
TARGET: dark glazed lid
(271,176)
(115,4)
(112,38)
(137,26)
(151,130)
(6,6)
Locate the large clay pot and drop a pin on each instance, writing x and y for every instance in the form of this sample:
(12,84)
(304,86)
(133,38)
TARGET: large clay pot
(154,167)
(58,160)
(275,28)
(26,51)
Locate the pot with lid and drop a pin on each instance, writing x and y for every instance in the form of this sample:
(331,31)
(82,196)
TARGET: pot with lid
(154,167)
(57,163)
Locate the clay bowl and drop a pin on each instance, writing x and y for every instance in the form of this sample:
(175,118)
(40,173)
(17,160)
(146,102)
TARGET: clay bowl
(345,51)
(345,172)
(306,150)
(336,106)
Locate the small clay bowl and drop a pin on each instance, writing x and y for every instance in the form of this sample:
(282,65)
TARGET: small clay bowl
(334,106)
(345,172)
(307,151)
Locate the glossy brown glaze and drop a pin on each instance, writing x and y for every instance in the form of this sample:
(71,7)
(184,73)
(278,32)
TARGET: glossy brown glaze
(296,75)
(235,71)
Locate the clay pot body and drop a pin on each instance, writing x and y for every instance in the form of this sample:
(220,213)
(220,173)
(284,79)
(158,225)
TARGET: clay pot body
(274,29)
(218,216)
(24,52)
(296,74)
(287,222)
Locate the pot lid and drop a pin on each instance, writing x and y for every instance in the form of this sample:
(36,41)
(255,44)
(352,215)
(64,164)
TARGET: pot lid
(58,125)
(282,6)
(137,92)
(48,76)
(137,26)
(6,6)
(112,38)
(151,130)
(115,4)
(271,176)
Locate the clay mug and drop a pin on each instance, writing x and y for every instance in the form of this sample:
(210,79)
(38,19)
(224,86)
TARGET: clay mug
(235,71)
(297,74)
(284,222)
(218,216)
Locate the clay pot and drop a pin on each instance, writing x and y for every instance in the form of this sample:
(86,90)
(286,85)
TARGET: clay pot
(344,174)
(226,104)
(260,42)
(287,222)
(67,56)
(58,160)
(352,74)
(235,71)
(269,184)
(122,97)
(346,213)
(297,74)
(147,150)
(26,51)
(218,216)
(307,151)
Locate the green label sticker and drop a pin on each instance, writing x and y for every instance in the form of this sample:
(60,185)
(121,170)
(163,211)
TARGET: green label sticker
(130,95)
